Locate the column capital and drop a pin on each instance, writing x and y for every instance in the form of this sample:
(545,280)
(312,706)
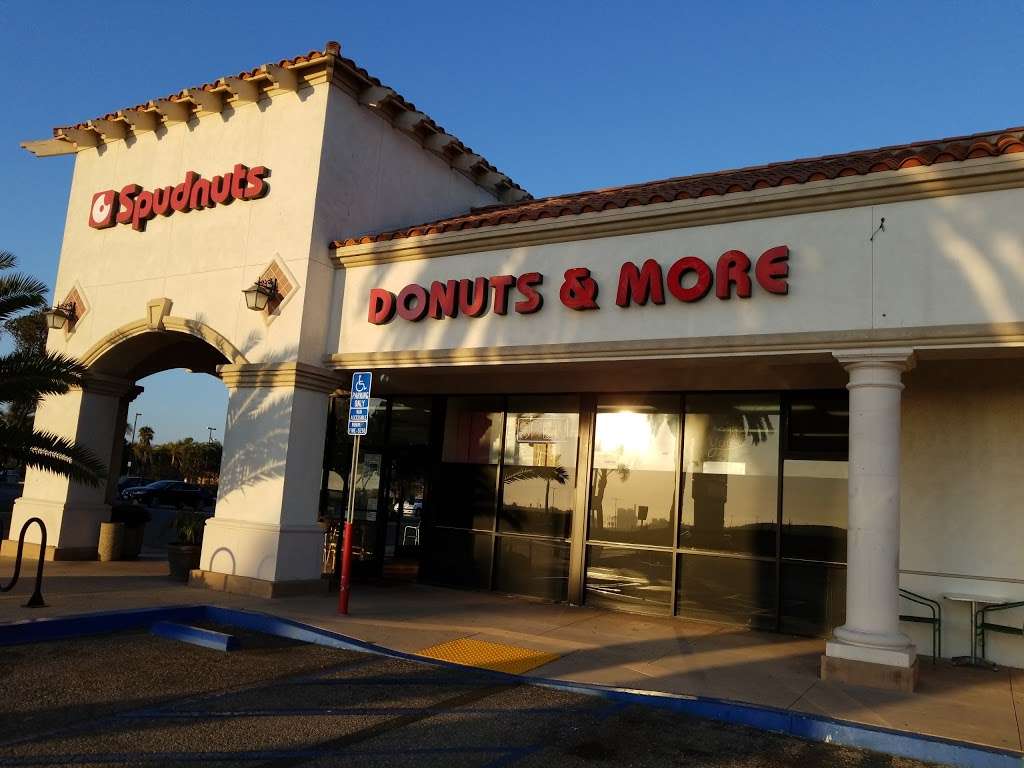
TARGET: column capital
(103,384)
(288,375)
(899,358)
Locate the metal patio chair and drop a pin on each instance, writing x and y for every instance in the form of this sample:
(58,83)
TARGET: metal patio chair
(983,625)
(935,620)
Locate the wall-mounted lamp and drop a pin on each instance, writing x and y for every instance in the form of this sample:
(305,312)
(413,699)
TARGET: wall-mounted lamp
(259,294)
(61,315)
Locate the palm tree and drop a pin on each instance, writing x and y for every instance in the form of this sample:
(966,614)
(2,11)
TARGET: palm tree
(143,448)
(27,374)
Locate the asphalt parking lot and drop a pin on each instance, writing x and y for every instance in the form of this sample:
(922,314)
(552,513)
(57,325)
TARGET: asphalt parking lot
(136,699)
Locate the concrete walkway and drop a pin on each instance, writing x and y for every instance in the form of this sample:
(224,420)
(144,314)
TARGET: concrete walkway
(660,654)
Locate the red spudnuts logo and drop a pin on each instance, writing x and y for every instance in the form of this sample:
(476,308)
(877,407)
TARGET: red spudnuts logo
(101,214)
(136,206)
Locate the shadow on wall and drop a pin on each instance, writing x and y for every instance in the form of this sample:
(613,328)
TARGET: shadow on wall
(256,435)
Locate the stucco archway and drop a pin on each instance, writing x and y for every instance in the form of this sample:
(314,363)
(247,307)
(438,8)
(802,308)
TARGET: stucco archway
(145,345)
(95,416)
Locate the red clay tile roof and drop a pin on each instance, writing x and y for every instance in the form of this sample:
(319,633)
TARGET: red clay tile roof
(295,61)
(800,171)
(355,74)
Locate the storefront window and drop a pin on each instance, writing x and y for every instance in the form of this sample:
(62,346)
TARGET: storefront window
(528,566)
(467,492)
(814,513)
(456,558)
(739,590)
(814,510)
(368,478)
(730,461)
(539,471)
(629,578)
(636,458)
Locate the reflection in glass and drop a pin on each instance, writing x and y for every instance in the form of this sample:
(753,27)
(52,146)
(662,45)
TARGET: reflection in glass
(633,492)
(539,471)
(734,589)
(813,597)
(472,431)
(536,567)
(814,503)
(633,579)
(730,461)
(819,425)
(467,493)
(456,558)
(410,421)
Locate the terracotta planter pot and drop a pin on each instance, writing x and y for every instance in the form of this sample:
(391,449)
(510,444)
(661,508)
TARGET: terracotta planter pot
(111,541)
(182,559)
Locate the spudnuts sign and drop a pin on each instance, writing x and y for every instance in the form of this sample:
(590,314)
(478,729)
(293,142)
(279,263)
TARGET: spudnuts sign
(134,205)
(687,280)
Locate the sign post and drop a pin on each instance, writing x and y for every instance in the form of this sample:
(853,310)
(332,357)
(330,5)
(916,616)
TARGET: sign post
(358,421)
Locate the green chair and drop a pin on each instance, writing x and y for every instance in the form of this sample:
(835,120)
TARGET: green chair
(935,620)
(983,625)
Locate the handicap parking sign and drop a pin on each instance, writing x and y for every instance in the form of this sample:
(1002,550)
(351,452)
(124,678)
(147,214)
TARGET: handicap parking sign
(359,403)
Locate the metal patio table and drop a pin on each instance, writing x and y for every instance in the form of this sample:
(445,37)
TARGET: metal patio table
(973,660)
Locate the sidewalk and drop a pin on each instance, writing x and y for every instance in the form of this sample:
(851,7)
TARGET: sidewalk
(651,653)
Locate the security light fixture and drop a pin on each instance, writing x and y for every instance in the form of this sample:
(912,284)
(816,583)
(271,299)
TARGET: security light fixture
(61,315)
(259,294)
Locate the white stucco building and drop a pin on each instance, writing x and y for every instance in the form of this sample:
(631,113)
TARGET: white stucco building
(639,397)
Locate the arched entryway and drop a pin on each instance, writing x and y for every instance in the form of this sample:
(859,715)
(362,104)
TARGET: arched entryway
(96,416)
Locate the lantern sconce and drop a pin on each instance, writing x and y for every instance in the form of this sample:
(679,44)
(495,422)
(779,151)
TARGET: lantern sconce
(63,315)
(259,294)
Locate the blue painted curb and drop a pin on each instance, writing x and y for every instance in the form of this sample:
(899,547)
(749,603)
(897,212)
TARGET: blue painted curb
(207,638)
(798,724)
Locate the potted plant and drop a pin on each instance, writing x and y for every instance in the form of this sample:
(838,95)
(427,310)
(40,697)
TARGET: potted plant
(134,518)
(183,554)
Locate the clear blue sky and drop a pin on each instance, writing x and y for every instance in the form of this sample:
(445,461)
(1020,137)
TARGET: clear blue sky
(563,96)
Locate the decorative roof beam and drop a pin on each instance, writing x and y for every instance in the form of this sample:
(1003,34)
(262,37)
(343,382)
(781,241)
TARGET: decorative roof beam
(173,111)
(49,147)
(281,77)
(207,101)
(243,90)
(467,161)
(407,121)
(439,142)
(110,129)
(83,137)
(376,95)
(141,120)
(495,179)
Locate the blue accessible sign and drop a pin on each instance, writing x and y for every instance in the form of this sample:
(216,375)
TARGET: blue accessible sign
(359,403)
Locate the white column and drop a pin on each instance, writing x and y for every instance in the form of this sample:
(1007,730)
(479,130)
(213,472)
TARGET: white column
(94,417)
(264,538)
(871,632)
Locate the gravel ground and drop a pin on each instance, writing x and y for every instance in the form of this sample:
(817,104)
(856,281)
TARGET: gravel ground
(134,699)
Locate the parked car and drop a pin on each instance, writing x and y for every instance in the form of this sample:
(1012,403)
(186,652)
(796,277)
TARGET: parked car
(172,493)
(130,481)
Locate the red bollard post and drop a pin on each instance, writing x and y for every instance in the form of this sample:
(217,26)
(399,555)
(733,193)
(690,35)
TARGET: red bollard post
(345,585)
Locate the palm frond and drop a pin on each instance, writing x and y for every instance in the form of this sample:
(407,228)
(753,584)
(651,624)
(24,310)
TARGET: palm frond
(8,260)
(556,474)
(51,453)
(26,375)
(19,293)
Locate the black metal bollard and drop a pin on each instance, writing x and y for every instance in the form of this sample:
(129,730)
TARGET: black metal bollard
(36,601)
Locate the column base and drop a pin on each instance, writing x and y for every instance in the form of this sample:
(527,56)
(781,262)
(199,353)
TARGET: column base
(262,551)
(9,548)
(869,674)
(889,656)
(246,585)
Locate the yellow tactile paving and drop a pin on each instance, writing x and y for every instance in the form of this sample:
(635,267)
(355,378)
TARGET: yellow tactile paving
(494,656)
